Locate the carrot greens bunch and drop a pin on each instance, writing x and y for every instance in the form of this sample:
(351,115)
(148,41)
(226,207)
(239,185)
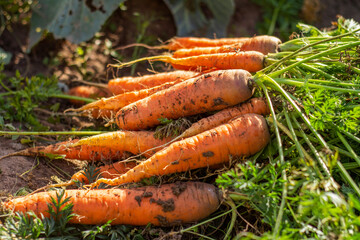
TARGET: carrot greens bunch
(313,95)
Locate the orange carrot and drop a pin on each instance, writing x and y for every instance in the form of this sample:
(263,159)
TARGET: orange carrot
(136,142)
(251,61)
(243,136)
(88,92)
(129,84)
(64,149)
(191,42)
(93,148)
(109,171)
(254,105)
(263,44)
(167,205)
(213,91)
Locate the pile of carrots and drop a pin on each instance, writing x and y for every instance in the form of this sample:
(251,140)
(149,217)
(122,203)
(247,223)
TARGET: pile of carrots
(212,77)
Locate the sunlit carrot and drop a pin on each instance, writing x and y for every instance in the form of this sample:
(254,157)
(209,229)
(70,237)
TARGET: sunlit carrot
(263,44)
(66,150)
(118,144)
(165,205)
(212,91)
(251,61)
(243,136)
(254,105)
(136,142)
(191,42)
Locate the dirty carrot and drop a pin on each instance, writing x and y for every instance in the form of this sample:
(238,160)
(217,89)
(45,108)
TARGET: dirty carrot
(212,91)
(263,44)
(88,92)
(251,61)
(254,105)
(136,142)
(243,136)
(64,149)
(129,84)
(165,205)
(108,146)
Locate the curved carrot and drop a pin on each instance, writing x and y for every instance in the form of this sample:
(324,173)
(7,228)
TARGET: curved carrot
(167,205)
(109,171)
(251,61)
(129,84)
(263,44)
(208,92)
(136,142)
(244,136)
(254,105)
(88,92)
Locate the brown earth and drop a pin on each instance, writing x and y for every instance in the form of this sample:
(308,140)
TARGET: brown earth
(29,172)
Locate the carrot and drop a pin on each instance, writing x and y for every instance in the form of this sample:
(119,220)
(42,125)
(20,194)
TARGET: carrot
(167,205)
(136,142)
(64,149)
(263,44)
(191,42)
(251,61)
(129,84)
(208,92)
(254,105)
(108,171)
(244,136)
(107,146)
(88,92)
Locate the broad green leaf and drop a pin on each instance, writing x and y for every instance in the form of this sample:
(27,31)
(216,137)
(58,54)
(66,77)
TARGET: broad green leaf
(5,57)
(201,17)
(75,20)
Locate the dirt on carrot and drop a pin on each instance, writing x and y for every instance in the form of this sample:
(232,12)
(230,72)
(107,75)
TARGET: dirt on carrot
(243,136)
(212,91)
(158,205)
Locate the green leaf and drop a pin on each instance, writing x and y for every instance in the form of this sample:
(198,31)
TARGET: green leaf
(75,20)
(5,57)
(201,17)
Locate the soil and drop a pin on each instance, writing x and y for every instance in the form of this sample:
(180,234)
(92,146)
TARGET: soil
(18,173)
